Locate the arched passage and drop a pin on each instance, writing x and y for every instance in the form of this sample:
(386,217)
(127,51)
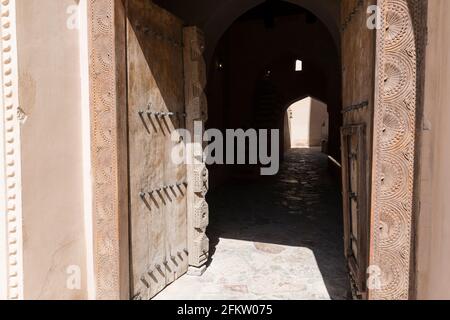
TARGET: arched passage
(252,80)
(252,75)
(392,67)
(306,124)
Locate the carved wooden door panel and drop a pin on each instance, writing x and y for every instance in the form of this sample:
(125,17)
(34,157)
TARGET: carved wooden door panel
(158,186)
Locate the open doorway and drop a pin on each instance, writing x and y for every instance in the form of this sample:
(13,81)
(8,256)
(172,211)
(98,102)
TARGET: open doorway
(281,236)
(377,159)
(306,125)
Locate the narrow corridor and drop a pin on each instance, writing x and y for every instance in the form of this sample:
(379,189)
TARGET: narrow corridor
(276,239)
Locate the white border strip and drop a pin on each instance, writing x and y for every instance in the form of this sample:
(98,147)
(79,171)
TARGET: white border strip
(11,256)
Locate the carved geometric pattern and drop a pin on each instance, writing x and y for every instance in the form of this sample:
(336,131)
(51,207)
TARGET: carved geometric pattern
(399,56)
(11,219)
(104,147)
(196,110)
(200,249)
(201,215)
(201,180)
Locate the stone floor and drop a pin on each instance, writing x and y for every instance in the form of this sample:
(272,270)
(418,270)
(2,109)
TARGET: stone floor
(280,238)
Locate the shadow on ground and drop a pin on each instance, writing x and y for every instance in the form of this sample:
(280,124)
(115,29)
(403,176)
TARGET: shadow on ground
(300,207)
(278,238)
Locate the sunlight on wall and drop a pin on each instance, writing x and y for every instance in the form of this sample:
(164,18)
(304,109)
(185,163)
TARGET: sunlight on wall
(298,65)
(307,124)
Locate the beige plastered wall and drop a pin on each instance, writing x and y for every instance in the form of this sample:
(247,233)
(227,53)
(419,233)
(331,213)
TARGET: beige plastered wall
(433,238)
(51,100)
(307,122)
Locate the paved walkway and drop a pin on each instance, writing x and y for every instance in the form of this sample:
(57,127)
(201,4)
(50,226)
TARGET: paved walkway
(276,239)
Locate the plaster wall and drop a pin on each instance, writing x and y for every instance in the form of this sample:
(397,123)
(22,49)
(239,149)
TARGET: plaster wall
(433,239)
(52,150)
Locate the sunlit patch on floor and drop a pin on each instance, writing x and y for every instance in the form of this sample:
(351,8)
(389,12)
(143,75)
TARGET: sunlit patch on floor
(274,240)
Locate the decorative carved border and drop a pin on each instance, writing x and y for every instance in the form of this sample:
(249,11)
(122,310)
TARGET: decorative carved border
(197,173)
(400,42)
(104,133)
(11,219)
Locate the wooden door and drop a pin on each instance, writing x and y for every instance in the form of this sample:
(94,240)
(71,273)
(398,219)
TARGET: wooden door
(358,74)
(158,186)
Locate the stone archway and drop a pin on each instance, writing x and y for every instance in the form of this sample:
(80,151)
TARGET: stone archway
(397,87)
(216,18)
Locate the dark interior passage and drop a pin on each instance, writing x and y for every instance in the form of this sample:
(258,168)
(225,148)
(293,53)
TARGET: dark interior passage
(252,77)
(280,238)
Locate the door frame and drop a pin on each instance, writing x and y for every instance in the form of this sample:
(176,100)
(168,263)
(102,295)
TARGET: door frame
(108,112)
(399,81)
(391,251)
